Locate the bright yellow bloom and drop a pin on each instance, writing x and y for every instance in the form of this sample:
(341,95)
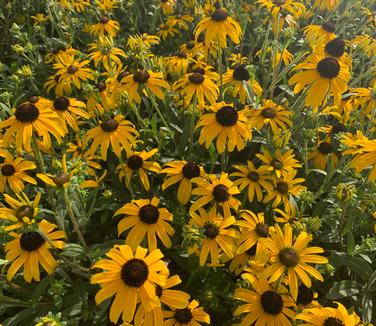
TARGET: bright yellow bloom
(105,26)
(192,315)
(321,154)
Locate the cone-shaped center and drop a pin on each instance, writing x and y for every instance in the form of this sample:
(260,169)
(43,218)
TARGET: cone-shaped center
(196,78)
(7,170)
(134,272)
(268,113)
(109,125)
(227,116)
(31,241)
(335,47)
(141,77)
(135,162)
(211,230)
(240,73)
(219,15)
(325,148)
(149,214)
(332,321)
(61,103)
(26,112)
(288,256)
(271,302)
(220,193)
(262,230)
(328,68)
(183,316)
(191,170)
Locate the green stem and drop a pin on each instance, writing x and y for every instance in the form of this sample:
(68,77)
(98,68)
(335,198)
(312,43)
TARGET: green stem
(192,128)
(73,219)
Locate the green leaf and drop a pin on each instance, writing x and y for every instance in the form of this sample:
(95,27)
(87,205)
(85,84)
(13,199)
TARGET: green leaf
(343,289)
(73,250)
(367,307)
(356,264)
(3,262)
(20,317)
(41,287)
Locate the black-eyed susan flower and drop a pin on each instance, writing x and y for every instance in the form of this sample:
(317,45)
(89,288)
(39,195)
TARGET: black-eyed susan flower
(178,63)
(105,26)
(21,211)
(199,85)
(145,218)
(320,155)
(272,114)
(180,20)
(69,110)
(290,258)
(323,76)
(217,27)
(366,98)
(13,172)
(31,248)
(39,18)
(117,131)
(252,227)
(54,55)
(77,5)
(105,53)
(192,315)
(219,236)
(279,163)
(238,79)
(29,118)
(324,316)
(167,6)
(130,278)
(319,34)
(167,30)
(174,299)
(72,72)
(219,192)
(182,172)
(265,305)
(137,162)
(284,188)
(62,178)
(326,4)
(227,124)
(144,81)
(255,179)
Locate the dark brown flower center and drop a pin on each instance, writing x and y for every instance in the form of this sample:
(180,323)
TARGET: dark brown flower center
(135,162)
(211,230)
(219,15)
(183,316)
(105,20)
(288,256)
(109,125)
(332,321)
(199,70)
(328,68)
(325,148)
(61,178)
(283,187)
(329,27)
(240,73)
(335,47)
(33,99)
(158,291)
(7,170)
(262,230)
(338,127)
(149,214)
(277,164)
(253,176)
(220,193)
(305,295)
(61,103)
(279,2)
(227,116)
(122,75)
(134,272)
(190,45)
(24,211)
(268,113)
(271,302)
(141,77)
(26,112)
(101,86)
(72,69)
(196,78)
(191,170)
(181,55)
(31,241)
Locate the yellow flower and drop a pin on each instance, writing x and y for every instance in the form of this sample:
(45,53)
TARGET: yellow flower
(144,217)
(329,5)
(32,117)
(178,63)
(137,162)
(289,259)
(228,125)
(117,131)
(107,5)
(256,179)
(217,27)
(322,76)
(179,20)
(147,81)
(320,155)
(39,18)
(198,85)
(105,26)
(219,237)
(31,248)
(265,305)
(272,114)
(183,172)
(166,30)
(131,278)
(167,6)
(192,315)
(328,316)
(22,211)
(319,34)
(282,164)
(238,79)
(216,191)
(13,172)
(71,71)
(284,188)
